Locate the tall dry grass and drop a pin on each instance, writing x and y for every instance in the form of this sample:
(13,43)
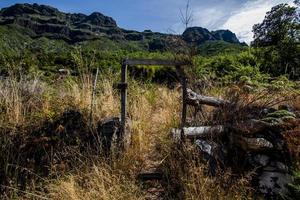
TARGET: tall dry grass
(152,111)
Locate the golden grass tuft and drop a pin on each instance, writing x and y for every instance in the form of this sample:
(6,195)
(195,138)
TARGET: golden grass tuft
(100,183)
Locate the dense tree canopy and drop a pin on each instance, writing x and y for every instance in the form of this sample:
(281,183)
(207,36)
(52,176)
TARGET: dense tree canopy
(279,35)
(281,23)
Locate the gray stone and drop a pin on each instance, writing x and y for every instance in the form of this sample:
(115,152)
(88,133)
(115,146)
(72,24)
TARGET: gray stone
(280,166)
(262,160)
(274,183)
(270,168)
(255,144)
(204,146)
(208,147)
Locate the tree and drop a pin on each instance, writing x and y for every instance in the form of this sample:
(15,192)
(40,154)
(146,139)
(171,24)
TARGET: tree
(277,40)
(281,23)
(186,15)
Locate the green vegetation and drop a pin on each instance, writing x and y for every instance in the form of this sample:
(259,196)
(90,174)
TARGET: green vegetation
(47,146)
(278,36)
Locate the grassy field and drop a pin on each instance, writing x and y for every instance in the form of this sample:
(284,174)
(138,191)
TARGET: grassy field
(27,102)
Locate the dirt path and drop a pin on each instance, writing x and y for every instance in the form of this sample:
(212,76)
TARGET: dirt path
(151,176)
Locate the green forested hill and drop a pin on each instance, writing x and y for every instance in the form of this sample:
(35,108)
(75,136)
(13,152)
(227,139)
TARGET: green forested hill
(33,21)
(40,38)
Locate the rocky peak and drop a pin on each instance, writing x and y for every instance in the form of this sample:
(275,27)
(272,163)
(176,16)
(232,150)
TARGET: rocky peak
(200,35)
(197,35)
(23,9)
(99,19)
(225,35)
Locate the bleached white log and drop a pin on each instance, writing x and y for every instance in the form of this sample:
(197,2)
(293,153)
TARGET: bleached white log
(196,99)
(198,132)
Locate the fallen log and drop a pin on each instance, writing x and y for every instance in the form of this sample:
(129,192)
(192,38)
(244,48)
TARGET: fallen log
(242,134)
(196,99)
(198,132)
(249,127)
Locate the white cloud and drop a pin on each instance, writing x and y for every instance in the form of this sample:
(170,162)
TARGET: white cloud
(209,17)
(253,12)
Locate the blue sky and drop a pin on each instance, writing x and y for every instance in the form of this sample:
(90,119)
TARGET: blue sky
(163,15)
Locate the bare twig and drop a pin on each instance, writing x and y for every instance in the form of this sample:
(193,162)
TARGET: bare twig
(186,16)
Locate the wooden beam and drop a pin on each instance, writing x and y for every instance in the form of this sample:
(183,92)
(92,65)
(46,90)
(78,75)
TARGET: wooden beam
(160,62)
(196,99)
(198,132)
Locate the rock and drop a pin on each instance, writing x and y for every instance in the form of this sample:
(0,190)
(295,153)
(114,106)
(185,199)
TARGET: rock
(23,9)
(280,166)
(251,127)
(270,168)
(109,131)
(213,153)
(197,35)
(134,37)
(274,183)
(279,144)
(200,35)
(207,147)
(254,144)
(261,160)
(225,35)
(99,19)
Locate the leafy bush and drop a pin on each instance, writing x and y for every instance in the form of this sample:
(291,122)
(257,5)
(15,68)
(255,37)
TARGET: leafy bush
(230,68)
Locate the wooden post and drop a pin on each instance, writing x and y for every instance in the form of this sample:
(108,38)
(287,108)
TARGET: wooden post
(123,87)
(182,76)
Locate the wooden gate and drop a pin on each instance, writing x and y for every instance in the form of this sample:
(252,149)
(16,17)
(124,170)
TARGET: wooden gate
(123,85)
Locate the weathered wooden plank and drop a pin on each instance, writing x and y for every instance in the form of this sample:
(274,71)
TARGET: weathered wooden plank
(160,62)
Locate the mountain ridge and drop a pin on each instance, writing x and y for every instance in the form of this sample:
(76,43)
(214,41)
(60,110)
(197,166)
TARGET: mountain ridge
(49,22)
